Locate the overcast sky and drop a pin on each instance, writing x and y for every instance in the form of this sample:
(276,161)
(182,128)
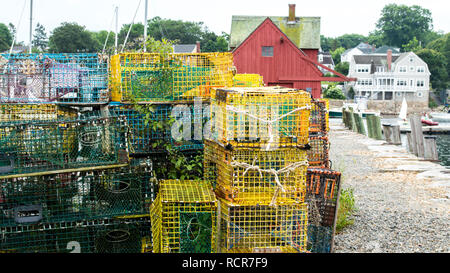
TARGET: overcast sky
(337,16)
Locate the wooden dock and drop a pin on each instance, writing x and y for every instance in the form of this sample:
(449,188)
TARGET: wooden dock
(440,129)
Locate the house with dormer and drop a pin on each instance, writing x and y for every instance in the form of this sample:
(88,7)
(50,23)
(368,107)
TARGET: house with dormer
(390,77)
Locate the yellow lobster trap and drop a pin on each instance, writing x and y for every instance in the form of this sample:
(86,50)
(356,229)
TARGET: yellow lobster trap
(153,77)
(183,217)
(263,117)
(254,228)
(251,176)
(24,112)
(248,80)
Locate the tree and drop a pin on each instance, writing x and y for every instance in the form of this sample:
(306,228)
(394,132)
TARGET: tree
(40,40)
(5,38)
(135,38)
(398,24)
(336,54)
(100,38)
(413,46)
(342,68)
(375,38)
(72,38)
(350,40)
(333,92)
(442,45)
(437,64)
(211,42)
(176,30)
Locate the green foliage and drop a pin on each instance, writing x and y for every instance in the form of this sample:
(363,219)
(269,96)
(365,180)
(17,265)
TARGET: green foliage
(40,40)
(442,45)
(342,68)
(431,103)
(184,32)
(437,64)
(72,38)
(100,38)
(413,46)
(398,24)
(346,208)
(375,38)
(351,93)
(135,38)
(333,92)
(350,40)
(336,54)
(5,38)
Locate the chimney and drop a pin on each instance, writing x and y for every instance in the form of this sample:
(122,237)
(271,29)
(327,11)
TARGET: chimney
(291,13)
(389,60)
(198,47)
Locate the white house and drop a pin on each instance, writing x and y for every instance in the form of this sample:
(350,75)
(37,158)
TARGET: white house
(390,77)
(362,48)
(326,59)
(187,48)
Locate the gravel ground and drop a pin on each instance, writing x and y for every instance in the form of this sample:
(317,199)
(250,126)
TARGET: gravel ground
(395,210)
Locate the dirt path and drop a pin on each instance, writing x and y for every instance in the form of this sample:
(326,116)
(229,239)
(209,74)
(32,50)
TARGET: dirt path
(403,203)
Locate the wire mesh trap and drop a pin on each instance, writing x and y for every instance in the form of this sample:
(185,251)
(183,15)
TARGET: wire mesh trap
(47,77)
(319,123)
(260,117)
(76,196)
(96,236)
(166,124)
(318,153)
(323,186)
(151,77)
(183,217)
(250,228)
(250,176)
(26,112)
(38,146)
(248,80)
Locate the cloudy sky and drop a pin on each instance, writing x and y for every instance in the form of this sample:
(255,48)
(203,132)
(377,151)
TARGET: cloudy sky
(337,16)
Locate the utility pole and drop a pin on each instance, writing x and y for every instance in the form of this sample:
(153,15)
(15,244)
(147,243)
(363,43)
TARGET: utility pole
(145,26)
(117,27)
(31,24)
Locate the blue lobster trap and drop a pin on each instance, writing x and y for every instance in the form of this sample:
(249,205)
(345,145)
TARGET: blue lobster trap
(75,78)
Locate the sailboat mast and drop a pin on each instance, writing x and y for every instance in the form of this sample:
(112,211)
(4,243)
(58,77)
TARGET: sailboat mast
(31,24)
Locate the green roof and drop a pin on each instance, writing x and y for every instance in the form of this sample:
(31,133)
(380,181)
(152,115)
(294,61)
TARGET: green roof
(304,33)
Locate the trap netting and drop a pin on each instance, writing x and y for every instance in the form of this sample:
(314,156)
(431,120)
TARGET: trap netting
(76,196)
(23,112)
(318,153)
(113,235)
(249,227)
(322,187)
(319,123)
(152,77)
(180,126)
(38,146)
(260,116)
(47,77)
(250,176)
(248,80)
(184,217)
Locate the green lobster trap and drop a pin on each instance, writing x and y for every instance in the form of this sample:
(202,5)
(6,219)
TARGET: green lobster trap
(251,176)
(61,145)
(322,196)
(263,227)
(152,77)
(183,218)
(180,126)
(77,196)
(78,78)
(110,235)
(260,117)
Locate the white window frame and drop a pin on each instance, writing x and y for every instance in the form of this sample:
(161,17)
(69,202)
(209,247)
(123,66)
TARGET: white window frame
(403,69)
(362,69)
(420,69)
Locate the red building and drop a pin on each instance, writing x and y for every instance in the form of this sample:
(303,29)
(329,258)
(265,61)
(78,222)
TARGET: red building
(269,52)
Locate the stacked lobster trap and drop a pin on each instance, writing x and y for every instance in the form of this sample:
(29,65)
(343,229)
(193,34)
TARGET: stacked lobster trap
(256,162)
(322,184)
(67,181)
(174,89)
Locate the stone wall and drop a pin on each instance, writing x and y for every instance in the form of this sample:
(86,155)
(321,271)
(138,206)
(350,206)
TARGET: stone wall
(386,106)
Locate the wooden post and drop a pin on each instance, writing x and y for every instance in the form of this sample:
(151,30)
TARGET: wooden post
(417,135)
(409,140)
(396,135)
(369,119)
(387,129)
(353,122)
(359,123)
(430,151)
(377,128)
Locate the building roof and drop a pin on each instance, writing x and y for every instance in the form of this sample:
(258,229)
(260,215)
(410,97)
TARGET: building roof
(326,58)
(377,60)
(384,49)
(304,33)
(186,48)
(18,49)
